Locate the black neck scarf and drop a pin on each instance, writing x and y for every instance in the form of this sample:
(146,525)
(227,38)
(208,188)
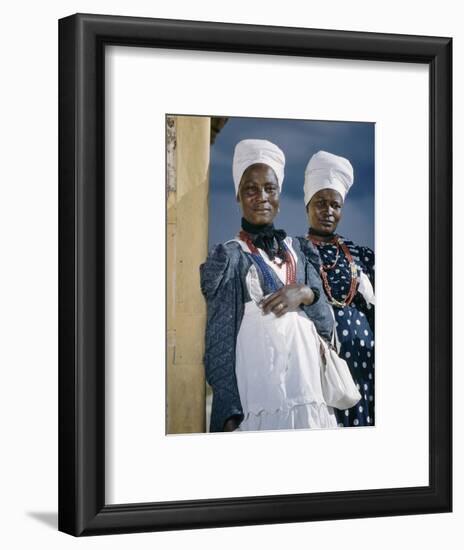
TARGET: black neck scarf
(267,238)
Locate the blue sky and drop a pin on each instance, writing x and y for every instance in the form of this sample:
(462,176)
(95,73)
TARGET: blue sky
(299,140)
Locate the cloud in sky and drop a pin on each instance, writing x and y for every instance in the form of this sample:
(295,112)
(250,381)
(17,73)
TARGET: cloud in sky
(299,140)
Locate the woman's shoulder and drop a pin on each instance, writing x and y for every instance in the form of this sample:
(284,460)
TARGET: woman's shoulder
(306,248)
(222,261)
(367,259)
(360,249)
(223,254)
(364,255)
(231,250)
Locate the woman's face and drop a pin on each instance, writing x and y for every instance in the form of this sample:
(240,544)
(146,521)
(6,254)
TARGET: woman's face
(258,194)
(325,211)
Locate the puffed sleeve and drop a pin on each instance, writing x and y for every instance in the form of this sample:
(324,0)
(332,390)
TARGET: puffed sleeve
(367,260)
(367,263)
(319,311)
(222,288)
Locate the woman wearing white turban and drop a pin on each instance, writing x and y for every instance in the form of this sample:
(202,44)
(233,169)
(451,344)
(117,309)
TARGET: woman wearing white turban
(347,272)
(265,303)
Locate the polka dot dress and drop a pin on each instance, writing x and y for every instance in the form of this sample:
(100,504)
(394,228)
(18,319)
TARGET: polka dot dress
(355,329)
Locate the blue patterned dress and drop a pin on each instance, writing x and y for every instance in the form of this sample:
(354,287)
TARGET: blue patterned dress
(355,327)
(224,285)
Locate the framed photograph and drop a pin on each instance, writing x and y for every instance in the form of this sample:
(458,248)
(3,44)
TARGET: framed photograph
(224,190)
(220,215)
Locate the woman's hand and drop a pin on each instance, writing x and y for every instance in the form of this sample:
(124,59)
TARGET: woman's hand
(287,298)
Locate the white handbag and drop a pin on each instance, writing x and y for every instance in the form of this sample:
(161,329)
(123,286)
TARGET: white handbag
(338,387)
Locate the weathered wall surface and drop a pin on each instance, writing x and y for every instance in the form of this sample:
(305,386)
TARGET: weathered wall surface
(188,149)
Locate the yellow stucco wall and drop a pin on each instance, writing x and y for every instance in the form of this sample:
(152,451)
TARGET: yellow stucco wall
(187,238)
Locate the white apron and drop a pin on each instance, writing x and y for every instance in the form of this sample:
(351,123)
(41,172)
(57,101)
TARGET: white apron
(278,365)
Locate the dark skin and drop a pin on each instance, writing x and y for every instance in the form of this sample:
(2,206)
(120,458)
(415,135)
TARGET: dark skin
(325,212)
(259,199)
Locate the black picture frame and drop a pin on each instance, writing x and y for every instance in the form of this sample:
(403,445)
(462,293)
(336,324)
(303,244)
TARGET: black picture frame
(82,508)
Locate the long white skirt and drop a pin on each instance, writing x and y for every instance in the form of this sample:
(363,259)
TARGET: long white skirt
(278,372)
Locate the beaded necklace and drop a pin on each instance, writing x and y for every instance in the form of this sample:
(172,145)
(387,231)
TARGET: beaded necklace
(325,268)
(290,277)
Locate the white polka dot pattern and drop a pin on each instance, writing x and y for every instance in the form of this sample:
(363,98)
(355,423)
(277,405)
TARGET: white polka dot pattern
(354,326)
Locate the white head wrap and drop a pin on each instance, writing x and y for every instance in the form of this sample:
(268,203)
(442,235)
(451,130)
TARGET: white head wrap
(327,171)
(257,151)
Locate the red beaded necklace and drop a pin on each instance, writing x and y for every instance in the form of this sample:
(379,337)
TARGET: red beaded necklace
(324,268)
(290,277)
